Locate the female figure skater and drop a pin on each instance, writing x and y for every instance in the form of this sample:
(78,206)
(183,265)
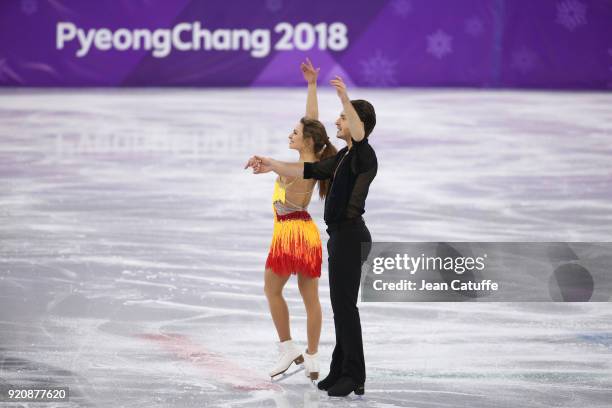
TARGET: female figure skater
(296,243)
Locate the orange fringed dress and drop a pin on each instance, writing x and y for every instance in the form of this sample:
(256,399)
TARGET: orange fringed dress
(296,243)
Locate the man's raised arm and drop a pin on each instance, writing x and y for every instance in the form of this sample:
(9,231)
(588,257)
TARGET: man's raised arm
(354,123)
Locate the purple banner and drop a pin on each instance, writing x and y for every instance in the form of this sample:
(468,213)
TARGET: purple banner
(561,44)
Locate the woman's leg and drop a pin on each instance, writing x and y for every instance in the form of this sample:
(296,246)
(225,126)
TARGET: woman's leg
(273,289)
(309,289)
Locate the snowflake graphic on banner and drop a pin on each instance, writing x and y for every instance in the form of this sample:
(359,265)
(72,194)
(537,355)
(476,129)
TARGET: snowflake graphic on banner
(473,26)
(571,14)
(274,5)
(401,7)
(523,60)
(439,44)
(29,7)
(378,70)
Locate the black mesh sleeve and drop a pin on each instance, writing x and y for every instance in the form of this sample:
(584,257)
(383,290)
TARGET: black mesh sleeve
(365,158)
(321,170)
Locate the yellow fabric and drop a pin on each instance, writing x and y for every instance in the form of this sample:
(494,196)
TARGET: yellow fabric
(296,234)
(279,193)
(295,248)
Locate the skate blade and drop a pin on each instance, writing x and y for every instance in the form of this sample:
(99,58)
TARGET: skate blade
(281,376)
(298,360)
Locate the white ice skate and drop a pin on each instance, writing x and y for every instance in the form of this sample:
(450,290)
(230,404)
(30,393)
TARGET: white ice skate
(289,354)
(311,365)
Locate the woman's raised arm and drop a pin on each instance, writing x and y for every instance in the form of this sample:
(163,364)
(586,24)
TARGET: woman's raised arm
(310,75)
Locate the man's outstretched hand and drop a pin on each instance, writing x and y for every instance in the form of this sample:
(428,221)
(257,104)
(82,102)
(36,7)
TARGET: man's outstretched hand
(259,164)
(340,86)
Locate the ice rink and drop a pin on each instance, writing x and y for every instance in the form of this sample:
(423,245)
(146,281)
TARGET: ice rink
(132,246)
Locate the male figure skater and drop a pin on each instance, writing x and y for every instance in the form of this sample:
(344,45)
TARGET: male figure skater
(350,171)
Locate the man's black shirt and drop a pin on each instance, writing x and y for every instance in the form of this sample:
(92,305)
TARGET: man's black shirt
(350,172)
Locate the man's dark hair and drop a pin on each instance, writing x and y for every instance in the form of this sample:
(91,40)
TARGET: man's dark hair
(366,113)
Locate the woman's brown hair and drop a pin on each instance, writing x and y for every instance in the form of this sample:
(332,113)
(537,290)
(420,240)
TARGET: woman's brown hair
(323,148)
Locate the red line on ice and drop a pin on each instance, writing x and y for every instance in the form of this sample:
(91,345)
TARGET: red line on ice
(219,367)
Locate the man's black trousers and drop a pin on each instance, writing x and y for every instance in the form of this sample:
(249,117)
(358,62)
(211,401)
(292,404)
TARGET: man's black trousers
(344,248)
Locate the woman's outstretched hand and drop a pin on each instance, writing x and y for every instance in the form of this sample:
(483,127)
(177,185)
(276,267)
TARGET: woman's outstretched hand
(259,164)
(309,71)
(340,86)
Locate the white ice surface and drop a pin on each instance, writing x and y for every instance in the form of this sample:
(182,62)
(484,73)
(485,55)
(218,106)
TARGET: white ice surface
(133,273)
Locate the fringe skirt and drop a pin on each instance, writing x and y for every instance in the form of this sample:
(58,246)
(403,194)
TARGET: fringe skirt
(296,245)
